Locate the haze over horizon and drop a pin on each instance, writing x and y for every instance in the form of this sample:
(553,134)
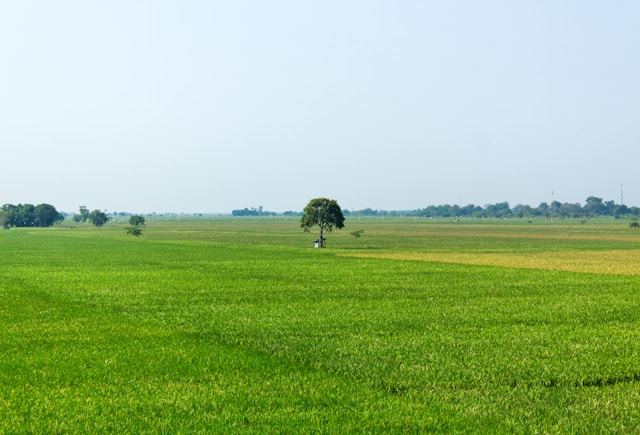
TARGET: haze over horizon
(208,106)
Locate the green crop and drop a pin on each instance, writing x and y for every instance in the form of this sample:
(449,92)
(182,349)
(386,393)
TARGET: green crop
(240,325)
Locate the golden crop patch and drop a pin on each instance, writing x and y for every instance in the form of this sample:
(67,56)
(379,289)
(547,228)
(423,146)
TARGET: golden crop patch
(612,262)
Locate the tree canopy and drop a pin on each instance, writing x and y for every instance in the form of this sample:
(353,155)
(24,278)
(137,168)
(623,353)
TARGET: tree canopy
(29,215)
(98,218)
(137,220)
(323,213)
(83,215)
(136,223)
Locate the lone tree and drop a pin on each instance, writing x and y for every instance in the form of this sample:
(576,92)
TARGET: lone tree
(136,222)
(323,212)
(98,218)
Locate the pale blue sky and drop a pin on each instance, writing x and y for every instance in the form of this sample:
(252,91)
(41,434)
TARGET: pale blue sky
(209,106)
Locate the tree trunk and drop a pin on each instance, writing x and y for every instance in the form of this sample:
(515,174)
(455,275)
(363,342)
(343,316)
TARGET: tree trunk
(321,239)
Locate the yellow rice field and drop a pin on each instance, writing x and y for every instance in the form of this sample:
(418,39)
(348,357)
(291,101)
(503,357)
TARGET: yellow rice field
(612,262)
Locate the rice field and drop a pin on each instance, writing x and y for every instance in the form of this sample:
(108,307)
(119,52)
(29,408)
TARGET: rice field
(224,325)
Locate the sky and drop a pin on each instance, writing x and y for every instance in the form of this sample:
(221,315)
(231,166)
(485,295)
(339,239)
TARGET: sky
(208,106)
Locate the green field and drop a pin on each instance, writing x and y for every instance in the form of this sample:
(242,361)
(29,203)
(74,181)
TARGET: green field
(239,325)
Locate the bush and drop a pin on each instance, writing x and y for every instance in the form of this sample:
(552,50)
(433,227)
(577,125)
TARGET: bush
(134,231)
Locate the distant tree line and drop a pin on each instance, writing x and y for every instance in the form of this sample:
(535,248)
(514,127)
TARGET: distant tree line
(593,207)
(29,215)
(252,212)
(292,213)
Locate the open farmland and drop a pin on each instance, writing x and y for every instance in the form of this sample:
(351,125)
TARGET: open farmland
(239,325)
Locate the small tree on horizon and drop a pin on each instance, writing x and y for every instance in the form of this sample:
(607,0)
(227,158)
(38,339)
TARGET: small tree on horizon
(98,218)
(324,213)
(83,215)
(137,222)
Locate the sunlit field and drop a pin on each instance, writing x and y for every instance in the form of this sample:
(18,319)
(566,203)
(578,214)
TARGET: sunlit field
(238,325)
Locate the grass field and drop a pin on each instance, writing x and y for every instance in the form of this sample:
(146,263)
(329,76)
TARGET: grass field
(238,325)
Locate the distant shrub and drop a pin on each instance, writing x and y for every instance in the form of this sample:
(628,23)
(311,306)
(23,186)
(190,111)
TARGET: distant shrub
(134,231)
